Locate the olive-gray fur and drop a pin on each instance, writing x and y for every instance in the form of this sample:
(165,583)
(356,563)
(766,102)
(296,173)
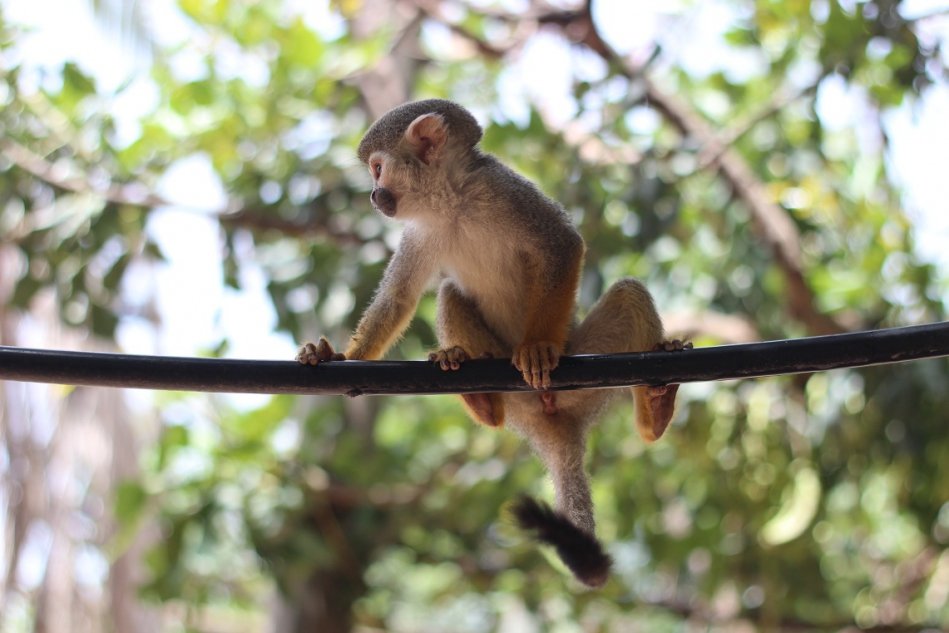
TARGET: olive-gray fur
(388,130)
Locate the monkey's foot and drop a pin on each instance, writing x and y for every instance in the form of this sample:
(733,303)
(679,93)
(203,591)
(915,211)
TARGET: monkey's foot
(660,401)
(450,358)
(672,345)
(535,361)
(486,408)
(319,352)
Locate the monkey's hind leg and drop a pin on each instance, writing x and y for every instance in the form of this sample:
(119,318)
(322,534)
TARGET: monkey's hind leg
(463,335)
(625,320)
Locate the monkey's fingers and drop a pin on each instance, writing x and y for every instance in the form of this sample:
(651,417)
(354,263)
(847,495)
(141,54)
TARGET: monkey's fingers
(316,353)
(450,358)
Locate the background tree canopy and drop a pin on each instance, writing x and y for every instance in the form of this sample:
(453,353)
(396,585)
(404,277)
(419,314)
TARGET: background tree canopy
(732,154)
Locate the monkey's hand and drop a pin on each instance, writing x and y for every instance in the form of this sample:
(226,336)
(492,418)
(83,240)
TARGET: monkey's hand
(449,359)
(535,361)
(319,352)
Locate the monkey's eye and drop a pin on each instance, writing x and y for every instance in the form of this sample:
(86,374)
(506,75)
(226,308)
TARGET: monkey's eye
(376,169)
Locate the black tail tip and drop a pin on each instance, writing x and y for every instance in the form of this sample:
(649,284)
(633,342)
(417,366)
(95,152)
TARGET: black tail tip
(578,550)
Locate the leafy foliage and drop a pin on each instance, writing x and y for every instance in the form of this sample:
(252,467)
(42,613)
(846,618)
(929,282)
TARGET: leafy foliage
(818,500)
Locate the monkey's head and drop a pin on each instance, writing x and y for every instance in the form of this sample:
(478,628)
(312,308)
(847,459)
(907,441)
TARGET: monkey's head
(408,148)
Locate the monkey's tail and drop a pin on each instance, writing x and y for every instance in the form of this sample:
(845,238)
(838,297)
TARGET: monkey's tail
(578,549)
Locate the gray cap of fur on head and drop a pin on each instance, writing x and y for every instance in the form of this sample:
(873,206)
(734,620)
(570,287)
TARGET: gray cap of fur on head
(387,131)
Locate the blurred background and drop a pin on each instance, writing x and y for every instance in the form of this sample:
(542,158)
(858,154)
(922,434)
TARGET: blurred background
(179,178)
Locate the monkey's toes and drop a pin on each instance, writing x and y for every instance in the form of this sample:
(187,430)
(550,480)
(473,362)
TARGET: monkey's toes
(672,345)
(307,354)
(450,358)
(535,361)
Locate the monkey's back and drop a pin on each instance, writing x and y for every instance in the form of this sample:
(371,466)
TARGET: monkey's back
(504,251)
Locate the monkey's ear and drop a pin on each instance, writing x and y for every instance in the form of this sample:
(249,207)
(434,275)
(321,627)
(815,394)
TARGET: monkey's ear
(427,135)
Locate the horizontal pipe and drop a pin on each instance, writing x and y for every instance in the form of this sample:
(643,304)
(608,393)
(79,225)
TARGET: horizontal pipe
(353,378)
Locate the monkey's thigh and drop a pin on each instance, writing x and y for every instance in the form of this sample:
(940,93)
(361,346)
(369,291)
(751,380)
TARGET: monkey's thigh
(623,320)
(459,322)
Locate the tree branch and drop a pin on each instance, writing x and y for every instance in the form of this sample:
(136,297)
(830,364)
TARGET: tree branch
(772,223)
(261,221)
(709,156)
(355,378)
(138,195)
(39,167)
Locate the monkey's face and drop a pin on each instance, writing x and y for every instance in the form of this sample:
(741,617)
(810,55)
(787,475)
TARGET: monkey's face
(404,161)
(396,182)
(384,186)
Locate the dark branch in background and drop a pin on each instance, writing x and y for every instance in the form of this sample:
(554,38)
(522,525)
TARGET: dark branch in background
(263,221)
(39,167)
(137,194)
(772,224)
(355,378)
(709,156)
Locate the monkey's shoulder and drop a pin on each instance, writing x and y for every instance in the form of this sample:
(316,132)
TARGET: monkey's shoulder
(498,187)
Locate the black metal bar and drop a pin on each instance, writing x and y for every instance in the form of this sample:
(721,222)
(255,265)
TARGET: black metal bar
(354,378)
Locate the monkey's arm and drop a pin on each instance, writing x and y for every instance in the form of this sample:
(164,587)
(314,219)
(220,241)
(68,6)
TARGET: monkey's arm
(389,313)
(395,301)
(550,305)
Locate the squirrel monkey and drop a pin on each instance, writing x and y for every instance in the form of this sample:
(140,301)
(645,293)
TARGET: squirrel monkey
(509,261)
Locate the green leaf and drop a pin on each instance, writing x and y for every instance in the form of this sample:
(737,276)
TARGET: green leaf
(130,501)
(103,321)
(172,438)
(76,83)
(302,47)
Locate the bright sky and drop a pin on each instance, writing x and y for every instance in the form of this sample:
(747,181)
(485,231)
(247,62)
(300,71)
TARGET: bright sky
(196,309)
